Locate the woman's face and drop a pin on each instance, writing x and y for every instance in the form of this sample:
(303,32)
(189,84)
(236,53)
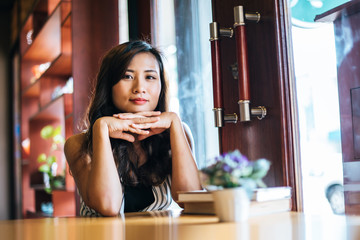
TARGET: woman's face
(139,89)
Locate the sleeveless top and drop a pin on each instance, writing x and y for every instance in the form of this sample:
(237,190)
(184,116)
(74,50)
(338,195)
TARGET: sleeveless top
(162,200)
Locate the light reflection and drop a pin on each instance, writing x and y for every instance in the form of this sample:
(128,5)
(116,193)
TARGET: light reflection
(29,37)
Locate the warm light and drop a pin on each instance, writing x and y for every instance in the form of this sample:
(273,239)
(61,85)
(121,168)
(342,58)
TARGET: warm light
(26,145)
(29,37)
(38,70)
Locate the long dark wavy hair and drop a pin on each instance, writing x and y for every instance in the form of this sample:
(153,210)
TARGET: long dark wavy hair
(157,147)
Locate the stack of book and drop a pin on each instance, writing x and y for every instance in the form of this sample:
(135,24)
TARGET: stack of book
(264,201)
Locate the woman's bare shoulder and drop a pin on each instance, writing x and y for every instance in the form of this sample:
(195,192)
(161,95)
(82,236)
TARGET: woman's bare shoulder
(73,147)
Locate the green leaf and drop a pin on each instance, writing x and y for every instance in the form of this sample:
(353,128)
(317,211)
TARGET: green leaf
(48,190)
(260,183)
(50,160)
(58,183)
(47,132)
(57,131)
(261,167)
(41,158)
(58,139)
(44,168)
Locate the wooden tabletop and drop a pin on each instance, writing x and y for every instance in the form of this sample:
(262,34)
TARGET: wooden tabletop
(173,225)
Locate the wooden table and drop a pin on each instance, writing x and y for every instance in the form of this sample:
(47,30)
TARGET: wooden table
(173,225)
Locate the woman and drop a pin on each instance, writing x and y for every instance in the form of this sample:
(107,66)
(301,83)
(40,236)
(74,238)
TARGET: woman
(134,156)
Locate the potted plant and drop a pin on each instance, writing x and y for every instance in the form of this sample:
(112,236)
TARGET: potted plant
(232,179)
(49,162)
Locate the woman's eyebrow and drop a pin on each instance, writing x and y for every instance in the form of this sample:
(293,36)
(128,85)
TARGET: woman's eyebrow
(147,71)
(151,70)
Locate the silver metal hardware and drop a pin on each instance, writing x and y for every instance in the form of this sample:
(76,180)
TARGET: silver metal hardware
(231,118)
(214,31)
(226,32)
(244,107)
(260,112)
(239,16)
(218,117)
(246,112)
(253,17)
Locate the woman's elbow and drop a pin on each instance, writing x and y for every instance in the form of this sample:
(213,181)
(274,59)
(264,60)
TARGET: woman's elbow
(109,211)
(106,206)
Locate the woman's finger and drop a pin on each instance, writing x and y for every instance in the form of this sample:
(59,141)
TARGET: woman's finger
(137,115)
(138,130)
(123,135)
(126,116)
(142,125)
(149,113)
(145,120)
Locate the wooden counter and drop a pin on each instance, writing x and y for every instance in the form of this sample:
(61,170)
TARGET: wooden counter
(173,225)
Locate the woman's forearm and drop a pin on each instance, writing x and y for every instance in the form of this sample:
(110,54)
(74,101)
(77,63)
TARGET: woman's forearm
(184,170)
(103,189)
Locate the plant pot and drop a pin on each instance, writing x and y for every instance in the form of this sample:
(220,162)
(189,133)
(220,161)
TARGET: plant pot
(231,204)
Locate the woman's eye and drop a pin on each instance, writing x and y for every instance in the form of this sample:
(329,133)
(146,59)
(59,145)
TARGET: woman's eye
(127,77)
(151,77)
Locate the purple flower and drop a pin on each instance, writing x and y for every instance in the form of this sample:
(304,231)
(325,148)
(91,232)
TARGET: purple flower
(234,169)
(227,168)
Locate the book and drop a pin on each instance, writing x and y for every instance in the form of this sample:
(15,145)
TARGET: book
(264,201)
(260,194)
(256,208)
(195,196)
(271,193)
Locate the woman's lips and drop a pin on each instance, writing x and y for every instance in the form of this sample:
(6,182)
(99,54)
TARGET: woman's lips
(139,101)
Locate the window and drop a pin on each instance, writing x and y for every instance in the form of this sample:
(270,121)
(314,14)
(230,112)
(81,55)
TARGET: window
(180,29)
(123,21)
(318,107)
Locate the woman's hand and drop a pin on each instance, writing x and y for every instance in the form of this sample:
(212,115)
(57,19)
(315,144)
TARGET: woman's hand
(123,128)
(184,175)
(147,128)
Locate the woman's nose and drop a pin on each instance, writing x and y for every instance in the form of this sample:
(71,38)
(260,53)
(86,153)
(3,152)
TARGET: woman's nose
(139,86)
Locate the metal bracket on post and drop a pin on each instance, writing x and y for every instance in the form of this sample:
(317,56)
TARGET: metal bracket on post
(242,69)
(215,33)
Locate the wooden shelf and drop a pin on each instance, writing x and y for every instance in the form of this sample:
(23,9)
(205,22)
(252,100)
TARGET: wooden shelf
(61,67)
(32,91)
(52,46)
(46,42)
(51,111)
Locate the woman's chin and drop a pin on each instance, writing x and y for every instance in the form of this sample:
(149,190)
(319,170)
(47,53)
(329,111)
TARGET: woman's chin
(139,109)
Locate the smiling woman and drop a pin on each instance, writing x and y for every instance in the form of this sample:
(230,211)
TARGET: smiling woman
(134,155)
(139,89)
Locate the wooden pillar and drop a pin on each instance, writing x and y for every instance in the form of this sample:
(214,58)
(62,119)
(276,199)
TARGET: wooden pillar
(95,29)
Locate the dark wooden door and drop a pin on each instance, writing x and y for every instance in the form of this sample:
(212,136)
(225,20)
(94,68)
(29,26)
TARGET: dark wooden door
(270,86)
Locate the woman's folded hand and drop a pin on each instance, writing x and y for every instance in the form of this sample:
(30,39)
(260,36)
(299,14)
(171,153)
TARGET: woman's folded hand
(147,127)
